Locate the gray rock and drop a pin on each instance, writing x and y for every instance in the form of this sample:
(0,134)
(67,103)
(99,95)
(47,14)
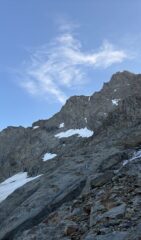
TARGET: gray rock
(113,236)
(39,205)
(101,179)
(135,233)
(90,237)
(71,228)
(95,211)
(112,161)
(116,212)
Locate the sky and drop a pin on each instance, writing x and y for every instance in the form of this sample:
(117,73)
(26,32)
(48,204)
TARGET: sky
(53,49)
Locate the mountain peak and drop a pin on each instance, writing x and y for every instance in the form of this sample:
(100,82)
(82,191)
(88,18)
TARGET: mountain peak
(65,177)
(124,76)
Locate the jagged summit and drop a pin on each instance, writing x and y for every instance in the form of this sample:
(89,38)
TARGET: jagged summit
(76,176)
(124,78)
(79,108)
(124,73)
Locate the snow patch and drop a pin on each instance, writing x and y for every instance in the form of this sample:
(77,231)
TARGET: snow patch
(49,156)
(61,125)
(85,119)
(115,101)
(83,132)
(11,184)
(135,156)
(35,127)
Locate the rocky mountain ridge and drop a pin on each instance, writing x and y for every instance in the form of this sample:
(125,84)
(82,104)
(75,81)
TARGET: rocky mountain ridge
(90,190)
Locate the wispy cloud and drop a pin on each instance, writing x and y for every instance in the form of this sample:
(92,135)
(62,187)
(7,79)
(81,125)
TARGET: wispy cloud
(63,64)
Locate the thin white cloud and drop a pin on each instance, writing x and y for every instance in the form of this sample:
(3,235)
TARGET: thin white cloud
(53,69)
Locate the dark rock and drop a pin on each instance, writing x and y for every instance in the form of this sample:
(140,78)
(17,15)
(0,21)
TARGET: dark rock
(112,161)
(113,236)
(116,212)
(71,229)
(101,179)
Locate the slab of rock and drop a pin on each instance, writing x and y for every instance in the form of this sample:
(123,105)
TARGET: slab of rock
(116,212)
(101,179)
(112,161)
(39,205)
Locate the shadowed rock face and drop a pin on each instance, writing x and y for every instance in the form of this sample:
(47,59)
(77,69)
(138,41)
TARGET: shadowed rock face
(85,192)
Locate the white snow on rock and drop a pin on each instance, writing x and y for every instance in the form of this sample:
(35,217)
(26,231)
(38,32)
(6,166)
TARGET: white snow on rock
(61,125)
(83,132)
(115,101)
(125,162)
(85,119)
(135,156)
(35,127)
(11,184)
(49,156)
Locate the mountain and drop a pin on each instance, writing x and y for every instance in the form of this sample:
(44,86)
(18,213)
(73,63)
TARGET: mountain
(77,175)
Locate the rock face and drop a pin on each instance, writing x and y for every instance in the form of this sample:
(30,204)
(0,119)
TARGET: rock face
(91,189)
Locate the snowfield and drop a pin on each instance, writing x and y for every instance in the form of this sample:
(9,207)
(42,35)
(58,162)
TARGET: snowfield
(83,132)
(49,156)
(11,184)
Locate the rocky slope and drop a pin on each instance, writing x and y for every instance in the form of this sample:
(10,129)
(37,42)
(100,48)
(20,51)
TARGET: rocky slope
(91,188)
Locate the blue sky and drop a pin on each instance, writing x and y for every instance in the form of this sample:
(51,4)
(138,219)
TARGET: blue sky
(52,49)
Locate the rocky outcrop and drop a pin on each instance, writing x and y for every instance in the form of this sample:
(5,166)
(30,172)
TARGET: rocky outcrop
(91,188)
